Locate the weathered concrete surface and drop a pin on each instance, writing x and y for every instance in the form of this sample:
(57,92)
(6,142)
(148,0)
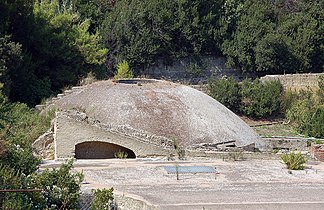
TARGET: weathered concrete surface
(163,109)
(254,184)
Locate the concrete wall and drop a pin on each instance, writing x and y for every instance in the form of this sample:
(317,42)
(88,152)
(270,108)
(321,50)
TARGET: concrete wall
(68,133)
(194,70)
(287,143)
(296,82)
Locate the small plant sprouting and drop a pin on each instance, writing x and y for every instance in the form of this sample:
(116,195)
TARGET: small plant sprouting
(121,154)
(236,155)
(177,171)
(294,161)
(179,150)
(123,71)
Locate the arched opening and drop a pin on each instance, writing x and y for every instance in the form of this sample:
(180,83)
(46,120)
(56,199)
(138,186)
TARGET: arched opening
(100,150)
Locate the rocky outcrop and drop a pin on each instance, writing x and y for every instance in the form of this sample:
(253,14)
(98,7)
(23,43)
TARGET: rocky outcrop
(44,145)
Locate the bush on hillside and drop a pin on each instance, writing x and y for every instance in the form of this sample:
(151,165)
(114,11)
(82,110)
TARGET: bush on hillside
(307,114)
(260,99)
(226,91)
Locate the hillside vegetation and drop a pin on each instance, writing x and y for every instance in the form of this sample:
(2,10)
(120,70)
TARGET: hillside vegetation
(46,46)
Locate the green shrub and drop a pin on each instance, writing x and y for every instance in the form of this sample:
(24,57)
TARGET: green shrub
(123,71)
(307,114)
(102,199)
(23,126)
(260,99)
(62,187)
(320,91)
(11,179)
(226,91)
(181,152)
(287,100)
(121,154)
(294,161)
(315,126)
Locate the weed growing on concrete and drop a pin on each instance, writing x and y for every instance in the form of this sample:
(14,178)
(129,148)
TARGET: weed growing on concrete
(177,172)
(179,150)
(294,161)
(236,155)
(121,155)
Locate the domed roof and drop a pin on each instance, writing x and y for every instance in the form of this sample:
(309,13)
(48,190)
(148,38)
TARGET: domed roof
(161,108)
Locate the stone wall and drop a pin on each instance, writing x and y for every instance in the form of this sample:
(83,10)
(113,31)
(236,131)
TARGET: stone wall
(194,70)
(317,151)
(296,82)
(287,143)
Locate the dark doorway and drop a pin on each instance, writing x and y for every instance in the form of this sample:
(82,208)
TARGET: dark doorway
(100,150)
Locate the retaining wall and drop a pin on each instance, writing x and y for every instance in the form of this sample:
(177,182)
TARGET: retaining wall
(296,82)
(194,70)
(317,151)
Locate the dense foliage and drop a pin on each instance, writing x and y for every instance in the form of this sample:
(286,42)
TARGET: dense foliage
(62,188)
(227,91)
(52,44)
(252,98)
(102,199)
(265,36)
(256,99)
(143,31)
(278,37)
(50,47)
(123,71)
(306,111)
(260,99)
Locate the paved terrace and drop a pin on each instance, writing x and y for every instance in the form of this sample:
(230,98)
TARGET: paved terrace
(250,184)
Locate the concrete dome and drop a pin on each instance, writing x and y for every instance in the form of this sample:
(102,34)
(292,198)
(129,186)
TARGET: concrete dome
(161,108)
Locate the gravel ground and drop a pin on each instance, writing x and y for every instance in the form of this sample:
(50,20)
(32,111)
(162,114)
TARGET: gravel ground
(252,184)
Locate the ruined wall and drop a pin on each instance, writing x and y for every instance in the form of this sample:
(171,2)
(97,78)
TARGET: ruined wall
(296,82)
(194,70)
(69,132)
(317,151)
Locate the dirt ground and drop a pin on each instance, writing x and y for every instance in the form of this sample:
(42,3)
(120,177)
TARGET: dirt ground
(251,184)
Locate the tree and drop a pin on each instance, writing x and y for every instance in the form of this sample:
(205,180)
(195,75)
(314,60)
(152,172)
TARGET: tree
(257,20)
(95,11)
(58,51)
(277,37)
(143,32)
